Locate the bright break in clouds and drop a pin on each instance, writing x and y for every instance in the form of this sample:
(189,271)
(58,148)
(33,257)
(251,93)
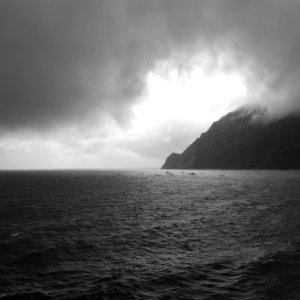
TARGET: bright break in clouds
(124,82)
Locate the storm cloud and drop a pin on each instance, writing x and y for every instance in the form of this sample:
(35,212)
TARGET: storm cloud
(64,62)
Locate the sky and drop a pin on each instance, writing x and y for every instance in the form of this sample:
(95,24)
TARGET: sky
(124,83)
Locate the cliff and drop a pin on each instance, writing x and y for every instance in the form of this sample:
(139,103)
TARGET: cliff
(243,139)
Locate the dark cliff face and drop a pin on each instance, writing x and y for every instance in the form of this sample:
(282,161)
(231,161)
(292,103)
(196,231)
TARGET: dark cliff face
(243,139)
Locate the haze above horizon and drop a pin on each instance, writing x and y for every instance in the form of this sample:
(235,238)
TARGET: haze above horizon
(122,84)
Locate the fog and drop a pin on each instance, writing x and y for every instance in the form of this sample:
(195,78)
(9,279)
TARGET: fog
(67,67)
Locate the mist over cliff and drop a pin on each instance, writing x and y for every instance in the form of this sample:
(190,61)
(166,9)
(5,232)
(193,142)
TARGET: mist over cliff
(244,139)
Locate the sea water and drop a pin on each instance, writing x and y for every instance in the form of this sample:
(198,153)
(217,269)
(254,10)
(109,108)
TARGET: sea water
(150,234)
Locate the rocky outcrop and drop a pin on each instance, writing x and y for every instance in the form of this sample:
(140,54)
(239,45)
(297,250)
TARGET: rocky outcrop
(243,139)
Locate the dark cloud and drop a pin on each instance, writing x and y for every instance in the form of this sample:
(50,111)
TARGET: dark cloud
(63,60)
(71,60)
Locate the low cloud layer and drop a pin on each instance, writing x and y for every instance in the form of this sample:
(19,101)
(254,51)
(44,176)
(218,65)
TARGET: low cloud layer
(70,65)
(66,61)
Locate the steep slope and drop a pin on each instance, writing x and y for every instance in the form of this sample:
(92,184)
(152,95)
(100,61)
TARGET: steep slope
(243,139)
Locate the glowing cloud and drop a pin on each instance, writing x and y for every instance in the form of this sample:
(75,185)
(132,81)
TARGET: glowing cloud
(191,96)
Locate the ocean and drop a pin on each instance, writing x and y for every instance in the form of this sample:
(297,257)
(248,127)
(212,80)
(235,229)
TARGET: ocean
(149,234)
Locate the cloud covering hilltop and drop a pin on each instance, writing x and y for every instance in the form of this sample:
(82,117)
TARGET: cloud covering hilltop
(71,64)
(243,139)
(62,61)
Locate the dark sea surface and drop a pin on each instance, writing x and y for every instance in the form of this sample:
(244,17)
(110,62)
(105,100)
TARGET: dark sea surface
(150,235)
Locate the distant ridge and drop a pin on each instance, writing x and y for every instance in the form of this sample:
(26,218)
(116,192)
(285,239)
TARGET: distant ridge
(243,139)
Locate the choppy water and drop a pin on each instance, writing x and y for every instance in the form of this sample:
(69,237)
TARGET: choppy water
(150,235)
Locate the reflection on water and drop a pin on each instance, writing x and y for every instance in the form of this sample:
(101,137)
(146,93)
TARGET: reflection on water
(150,234)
